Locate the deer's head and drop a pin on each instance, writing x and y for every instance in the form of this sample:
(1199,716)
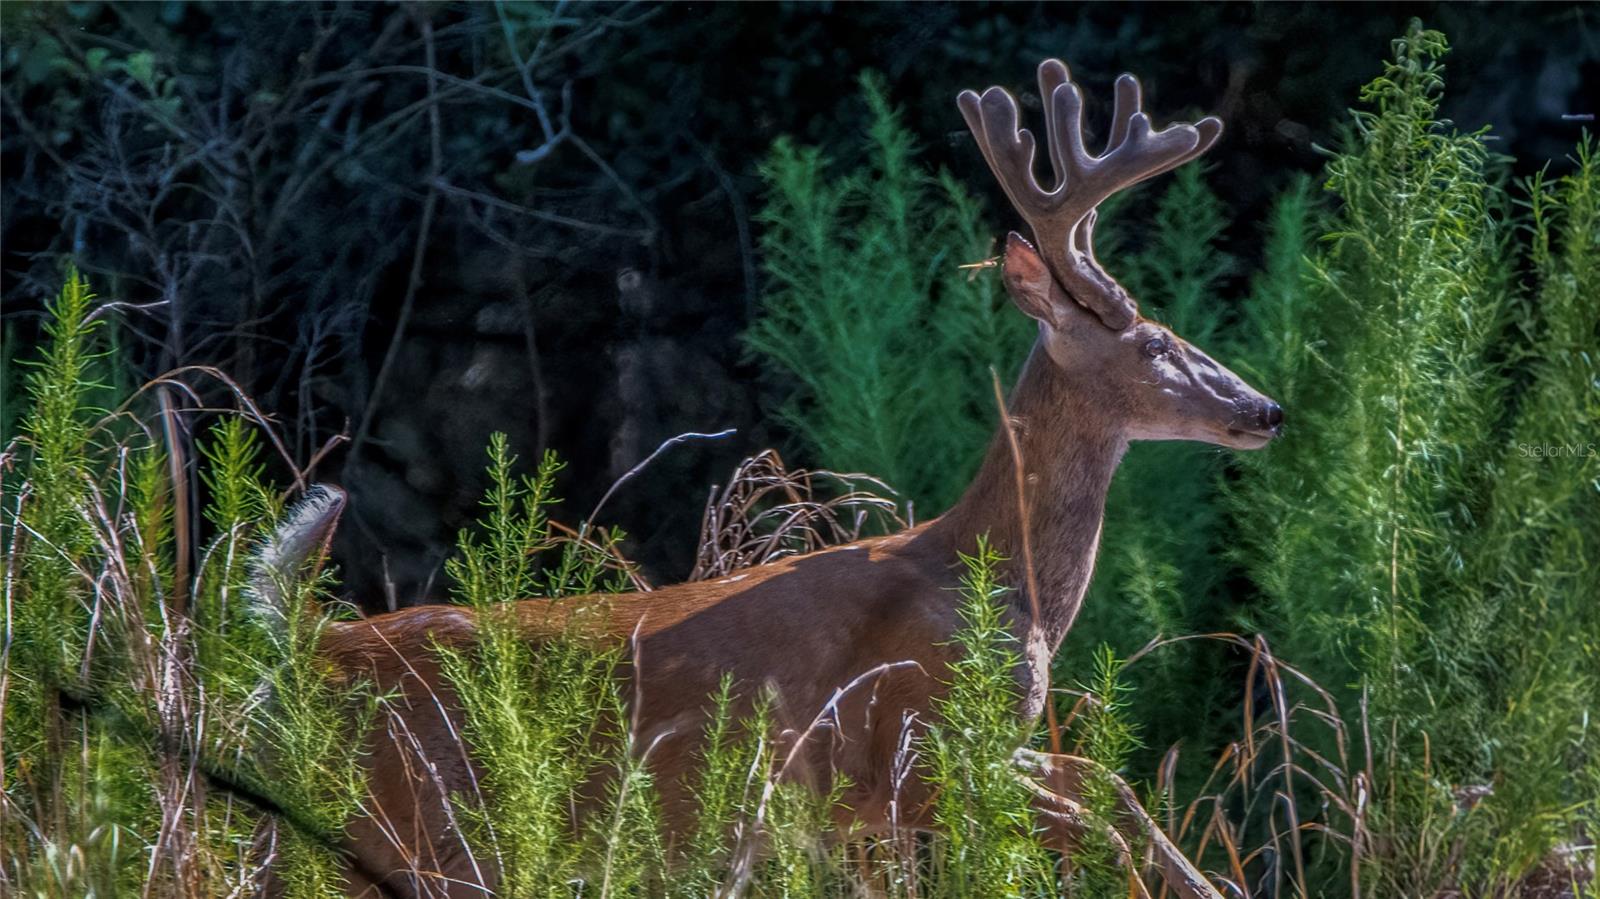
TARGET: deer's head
(1156,385)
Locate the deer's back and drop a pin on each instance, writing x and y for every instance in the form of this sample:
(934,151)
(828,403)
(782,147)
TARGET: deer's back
(872,620)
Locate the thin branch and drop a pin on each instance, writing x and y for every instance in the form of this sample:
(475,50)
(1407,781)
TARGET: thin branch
(667,444)
(435,165)
(551,217)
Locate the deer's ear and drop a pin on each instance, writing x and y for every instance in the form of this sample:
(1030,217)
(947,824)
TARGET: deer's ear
(1029,281)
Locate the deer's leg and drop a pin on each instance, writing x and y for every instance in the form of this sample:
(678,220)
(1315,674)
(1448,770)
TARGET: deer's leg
(1065,823)
(1067,776)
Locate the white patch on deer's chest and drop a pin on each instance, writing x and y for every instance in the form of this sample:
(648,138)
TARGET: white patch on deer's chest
(1033,676)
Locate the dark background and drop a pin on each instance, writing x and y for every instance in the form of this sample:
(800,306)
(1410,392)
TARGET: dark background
(582,182)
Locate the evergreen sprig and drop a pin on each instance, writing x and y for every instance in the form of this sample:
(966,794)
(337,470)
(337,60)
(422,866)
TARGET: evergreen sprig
(878,343)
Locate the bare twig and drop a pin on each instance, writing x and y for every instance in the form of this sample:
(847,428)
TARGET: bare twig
(667,444)
(435,166)
(768,511)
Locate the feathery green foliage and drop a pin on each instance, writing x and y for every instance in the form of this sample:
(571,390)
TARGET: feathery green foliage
(57,431)
(305,753)
(1106,734)
(983,808)
(1410,540)
(1531,627)
(727,793)
(544,720)
(120,677)
(881,340)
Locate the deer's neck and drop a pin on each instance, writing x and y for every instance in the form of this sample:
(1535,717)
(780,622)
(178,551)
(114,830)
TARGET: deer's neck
(1070,450)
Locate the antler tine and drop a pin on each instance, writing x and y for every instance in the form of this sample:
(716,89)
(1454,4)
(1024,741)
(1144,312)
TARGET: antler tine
(1053,73)
(1129,100)
(1008,149)
(1062,217)
(1141,153)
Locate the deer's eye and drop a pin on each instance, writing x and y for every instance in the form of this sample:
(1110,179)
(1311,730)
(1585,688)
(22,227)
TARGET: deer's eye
(1156,347)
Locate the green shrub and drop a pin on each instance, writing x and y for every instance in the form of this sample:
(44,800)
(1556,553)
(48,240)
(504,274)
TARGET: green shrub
(983,808)
(543,720)
(1405,541)
(129,680)
(878,341)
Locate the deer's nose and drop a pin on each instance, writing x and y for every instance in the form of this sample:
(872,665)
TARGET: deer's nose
(1271,416)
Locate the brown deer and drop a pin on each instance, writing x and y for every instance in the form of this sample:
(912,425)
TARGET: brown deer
(1099,376)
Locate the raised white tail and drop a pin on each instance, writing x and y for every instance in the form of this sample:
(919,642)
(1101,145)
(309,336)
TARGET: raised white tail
(294,550)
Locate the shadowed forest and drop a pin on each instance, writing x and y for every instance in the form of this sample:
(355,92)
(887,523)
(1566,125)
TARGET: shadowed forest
(586,298)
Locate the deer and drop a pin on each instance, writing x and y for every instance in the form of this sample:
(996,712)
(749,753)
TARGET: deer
(862,629)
